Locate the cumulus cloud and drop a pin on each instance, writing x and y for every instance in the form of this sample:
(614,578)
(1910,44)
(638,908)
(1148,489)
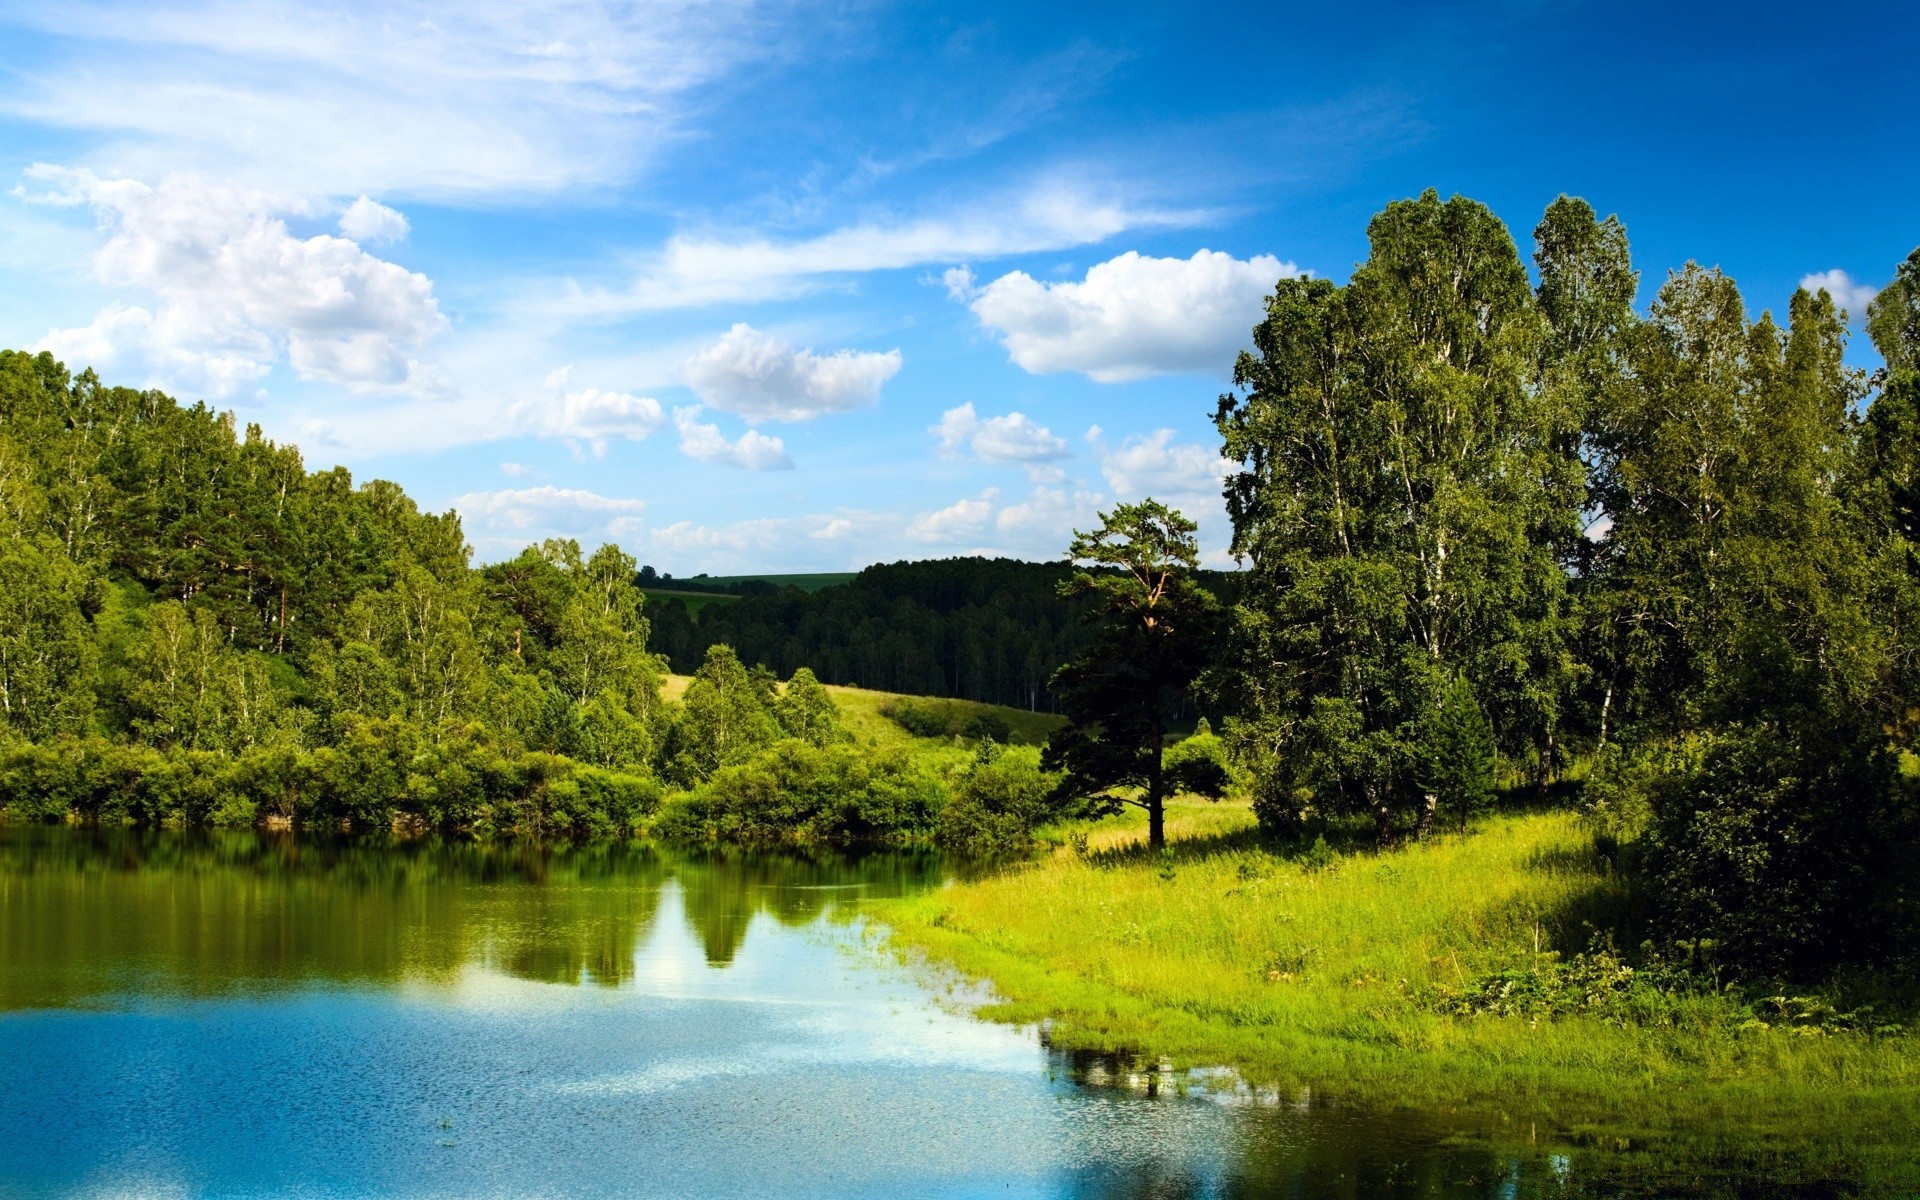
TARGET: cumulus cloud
(1013,438)
(1847,292)
(340,98)
(589,415)
(1152,465)
(499,523)
(753,450)
(230,291)
(961,521)
(754,375)
(763,543)
(367,220)
(1132,316)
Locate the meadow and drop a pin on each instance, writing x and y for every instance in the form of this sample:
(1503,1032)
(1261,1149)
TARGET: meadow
(1354,972)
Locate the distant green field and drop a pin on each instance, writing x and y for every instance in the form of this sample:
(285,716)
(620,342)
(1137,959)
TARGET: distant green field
(806,583)
(695,601)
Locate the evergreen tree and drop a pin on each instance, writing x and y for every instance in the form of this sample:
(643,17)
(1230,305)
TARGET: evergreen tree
(1155,628)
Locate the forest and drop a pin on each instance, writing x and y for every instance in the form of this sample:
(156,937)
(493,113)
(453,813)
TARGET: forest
(1506,539)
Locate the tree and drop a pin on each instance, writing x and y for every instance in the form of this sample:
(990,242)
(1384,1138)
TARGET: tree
(726,720)
(805,711)
(1154,629)
(1457,763)
(1407,496)
(46,651)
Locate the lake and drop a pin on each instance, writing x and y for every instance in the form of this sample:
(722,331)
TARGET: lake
(236,1014)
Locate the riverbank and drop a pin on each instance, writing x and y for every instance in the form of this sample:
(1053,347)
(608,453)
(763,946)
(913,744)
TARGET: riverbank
(1346,972)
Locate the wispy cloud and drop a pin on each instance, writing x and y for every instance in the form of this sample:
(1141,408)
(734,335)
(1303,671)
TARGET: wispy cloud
(694,270)
(405,96)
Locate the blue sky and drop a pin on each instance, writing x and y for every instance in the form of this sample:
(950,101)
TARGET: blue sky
(777,286)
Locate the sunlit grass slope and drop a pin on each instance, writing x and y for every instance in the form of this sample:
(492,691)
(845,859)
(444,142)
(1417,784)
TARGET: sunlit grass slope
(1223,953)
(860,713)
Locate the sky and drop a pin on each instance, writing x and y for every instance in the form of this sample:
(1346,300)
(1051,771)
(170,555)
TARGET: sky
(753,287)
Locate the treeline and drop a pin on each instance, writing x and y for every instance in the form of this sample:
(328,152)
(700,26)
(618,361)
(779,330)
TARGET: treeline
(194,628)
(1485,516)
(992,630)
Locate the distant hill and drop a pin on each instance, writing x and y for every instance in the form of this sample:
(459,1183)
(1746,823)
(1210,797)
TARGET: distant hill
(739,585)
(991,630)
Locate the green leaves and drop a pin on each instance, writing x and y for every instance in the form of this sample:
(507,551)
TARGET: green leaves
(1155,633)
(1408,492)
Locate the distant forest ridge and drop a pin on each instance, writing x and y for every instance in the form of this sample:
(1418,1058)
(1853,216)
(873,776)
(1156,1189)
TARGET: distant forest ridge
(739,585)
(992,630)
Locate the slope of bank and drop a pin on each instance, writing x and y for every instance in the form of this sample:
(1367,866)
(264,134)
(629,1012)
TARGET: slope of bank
(1341,972)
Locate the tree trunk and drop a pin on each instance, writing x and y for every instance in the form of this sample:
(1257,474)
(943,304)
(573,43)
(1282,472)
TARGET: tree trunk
(1383,825)
(1156,802)
(1428,804)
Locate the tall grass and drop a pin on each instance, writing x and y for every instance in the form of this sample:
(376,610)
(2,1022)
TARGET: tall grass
(1298,970)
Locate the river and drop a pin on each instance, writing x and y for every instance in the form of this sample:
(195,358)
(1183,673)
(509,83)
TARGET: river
(208,1014)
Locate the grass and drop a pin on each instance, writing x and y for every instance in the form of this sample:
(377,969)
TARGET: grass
(1222,953)
(860,713)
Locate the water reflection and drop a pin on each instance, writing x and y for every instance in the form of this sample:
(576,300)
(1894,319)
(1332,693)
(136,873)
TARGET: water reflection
(208,1014)
(90,912)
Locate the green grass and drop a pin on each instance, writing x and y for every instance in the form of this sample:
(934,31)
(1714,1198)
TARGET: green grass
(1226,954)
(860,713)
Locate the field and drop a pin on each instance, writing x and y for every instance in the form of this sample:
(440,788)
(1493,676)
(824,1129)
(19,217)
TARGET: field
(860,712)
(805,582)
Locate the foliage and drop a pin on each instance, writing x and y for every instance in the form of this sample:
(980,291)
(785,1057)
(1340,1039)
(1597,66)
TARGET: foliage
(999,799)
(1154,627)
(793,791)
(1407,498)
(941,719)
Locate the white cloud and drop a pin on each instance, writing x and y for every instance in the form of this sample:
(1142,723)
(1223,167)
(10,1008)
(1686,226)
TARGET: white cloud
(589,415)
(760,377)
(402,96)
(1133,316)
(1848,293)
(233,291)
(1013,438)
(500,523)
(771,543)
(692,270)
(1153,466)
(959,282)
(754,450)
(514,470)
(367,220)
(961,521)
(1044,523)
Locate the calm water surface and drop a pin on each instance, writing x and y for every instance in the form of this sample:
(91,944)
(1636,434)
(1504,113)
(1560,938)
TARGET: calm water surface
(242,1015)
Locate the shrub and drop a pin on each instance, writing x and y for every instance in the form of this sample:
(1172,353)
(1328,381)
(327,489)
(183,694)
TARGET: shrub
(999,799)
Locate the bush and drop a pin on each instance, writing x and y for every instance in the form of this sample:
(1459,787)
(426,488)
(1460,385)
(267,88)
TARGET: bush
(920,718)
(999,799)
(794,791)
(1785,848)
